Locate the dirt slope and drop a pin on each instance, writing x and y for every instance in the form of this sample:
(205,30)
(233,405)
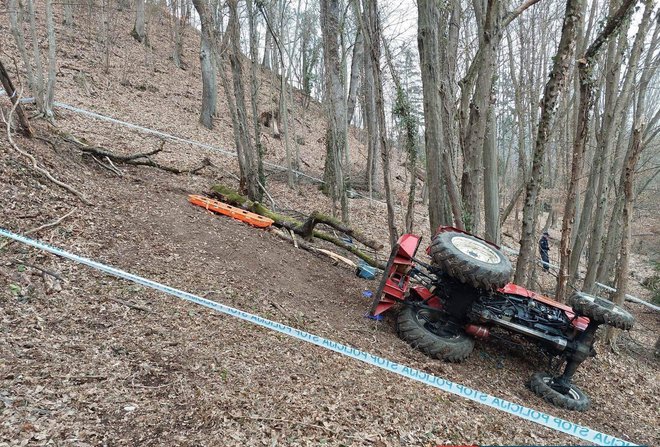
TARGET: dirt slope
(79,367)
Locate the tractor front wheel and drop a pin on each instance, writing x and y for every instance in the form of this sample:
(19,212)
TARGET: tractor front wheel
(569,397)
(424,330)
(601,311)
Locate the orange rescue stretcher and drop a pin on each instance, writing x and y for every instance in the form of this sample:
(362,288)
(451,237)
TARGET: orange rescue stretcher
(231,211)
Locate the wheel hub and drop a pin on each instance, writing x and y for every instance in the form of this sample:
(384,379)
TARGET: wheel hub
(562,388)
(476,250)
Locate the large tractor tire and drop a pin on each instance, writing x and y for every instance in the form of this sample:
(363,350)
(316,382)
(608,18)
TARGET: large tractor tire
(571,399)
(471,260)
(601,311)
(422,329)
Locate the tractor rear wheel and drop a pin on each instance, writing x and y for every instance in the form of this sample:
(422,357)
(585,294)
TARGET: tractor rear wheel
(571,397)
(423,330)
(601,311)
(471,260)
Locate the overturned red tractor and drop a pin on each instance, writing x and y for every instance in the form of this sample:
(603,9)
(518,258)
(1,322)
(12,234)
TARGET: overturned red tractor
(465,292)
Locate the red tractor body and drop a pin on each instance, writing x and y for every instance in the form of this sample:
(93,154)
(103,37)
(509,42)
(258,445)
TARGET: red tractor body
(465,292)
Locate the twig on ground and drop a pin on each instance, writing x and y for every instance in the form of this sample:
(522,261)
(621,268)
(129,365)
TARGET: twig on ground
(104,166)
(119,173)
(42,227)
(35,166)
(36,267)
(272,202)
(306,424)
(293,237)
(47,141)
(127,304)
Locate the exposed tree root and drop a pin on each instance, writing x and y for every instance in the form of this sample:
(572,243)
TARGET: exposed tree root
(35,166)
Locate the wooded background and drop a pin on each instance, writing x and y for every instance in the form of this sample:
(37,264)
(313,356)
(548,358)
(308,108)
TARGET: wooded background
(532,115)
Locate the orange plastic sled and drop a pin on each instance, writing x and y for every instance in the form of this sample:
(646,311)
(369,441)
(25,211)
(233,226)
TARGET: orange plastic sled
(231,211)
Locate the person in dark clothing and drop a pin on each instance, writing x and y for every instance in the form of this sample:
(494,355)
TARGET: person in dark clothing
(544,247)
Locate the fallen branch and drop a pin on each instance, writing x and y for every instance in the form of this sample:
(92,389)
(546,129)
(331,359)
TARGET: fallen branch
(294,225)
(140,159)
(318,218)
(106,166)
(127,304)
(36,267)
(42,227)
(289,237)
(337,257)
(35,166)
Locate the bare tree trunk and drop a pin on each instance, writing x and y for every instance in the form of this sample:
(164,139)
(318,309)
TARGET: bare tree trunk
(177,33)
(491,185)
(430,19)
(138,32)
(8,86)
(39,90)
(250,170)
(50,88)
(628,181)
(373,149)
(562,60)
(372,37)
(335,107)
(15,11)
(403,111)
(68,13)
(586,102)
(614,117)
(356,67)
(254,91)
(268,47)
(208,63)
(473,147)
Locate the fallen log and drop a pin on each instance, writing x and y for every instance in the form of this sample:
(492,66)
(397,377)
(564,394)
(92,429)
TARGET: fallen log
(301,228)
(139,159)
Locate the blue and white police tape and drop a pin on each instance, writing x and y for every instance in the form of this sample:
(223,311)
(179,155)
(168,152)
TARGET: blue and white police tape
(518,410)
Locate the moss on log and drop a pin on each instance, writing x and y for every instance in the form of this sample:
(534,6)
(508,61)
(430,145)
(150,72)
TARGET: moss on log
(304,229)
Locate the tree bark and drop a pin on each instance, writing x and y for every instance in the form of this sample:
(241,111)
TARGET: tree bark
(372,38)
(337,138)
(52,61)
(68,13)
(208,64)
(250,170)
(356,67)
(491,185)
(16,26)
(8,86)
(562,60)
(138,32)
(39,87)
(586,64)
(430,21)
(615,115)
(254,91)
(632,156)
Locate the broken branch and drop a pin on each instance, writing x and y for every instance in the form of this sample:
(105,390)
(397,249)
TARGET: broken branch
(42,227)
(298,227)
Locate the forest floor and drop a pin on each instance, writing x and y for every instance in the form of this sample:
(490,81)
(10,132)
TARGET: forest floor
(78,366)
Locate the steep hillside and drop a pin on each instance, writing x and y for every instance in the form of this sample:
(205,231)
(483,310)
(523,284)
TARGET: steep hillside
(86,359)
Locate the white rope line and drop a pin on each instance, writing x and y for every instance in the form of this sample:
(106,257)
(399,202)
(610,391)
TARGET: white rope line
(526,413)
